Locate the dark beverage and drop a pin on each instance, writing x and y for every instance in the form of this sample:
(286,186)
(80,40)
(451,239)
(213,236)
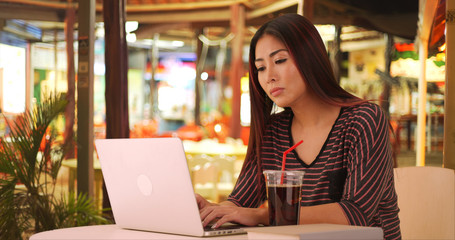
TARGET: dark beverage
(284,204)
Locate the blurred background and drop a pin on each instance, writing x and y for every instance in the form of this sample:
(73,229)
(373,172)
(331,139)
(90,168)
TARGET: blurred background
(187,70)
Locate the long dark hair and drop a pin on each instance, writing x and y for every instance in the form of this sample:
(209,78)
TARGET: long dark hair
(307,49)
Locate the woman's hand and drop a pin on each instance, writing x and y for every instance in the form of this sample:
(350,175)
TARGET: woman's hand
(202,202)
(229,212)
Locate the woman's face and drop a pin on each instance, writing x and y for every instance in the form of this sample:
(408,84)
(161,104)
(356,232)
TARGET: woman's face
(278,73)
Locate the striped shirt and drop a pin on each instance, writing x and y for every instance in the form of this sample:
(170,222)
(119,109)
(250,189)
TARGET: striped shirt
(354,168)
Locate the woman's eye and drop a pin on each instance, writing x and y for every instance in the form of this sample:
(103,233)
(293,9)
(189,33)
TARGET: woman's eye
(280,61)
(259,69)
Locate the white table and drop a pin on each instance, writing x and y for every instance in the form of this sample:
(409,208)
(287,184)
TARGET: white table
(114,232)
(311,231)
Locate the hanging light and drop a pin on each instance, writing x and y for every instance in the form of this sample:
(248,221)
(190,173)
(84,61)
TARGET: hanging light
(131,26)
(131,37)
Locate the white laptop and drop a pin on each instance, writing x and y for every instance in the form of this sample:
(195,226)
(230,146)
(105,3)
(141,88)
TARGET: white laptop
(149,186)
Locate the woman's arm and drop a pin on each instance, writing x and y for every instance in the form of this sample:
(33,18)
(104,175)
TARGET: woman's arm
(324,213)
(369,182)
(229,212)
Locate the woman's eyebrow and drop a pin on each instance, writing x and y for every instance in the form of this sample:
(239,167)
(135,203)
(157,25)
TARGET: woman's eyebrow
(277,51)
(271,54)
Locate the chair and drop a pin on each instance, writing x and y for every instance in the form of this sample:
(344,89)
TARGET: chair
(426,197)
(205,180)
(226,175)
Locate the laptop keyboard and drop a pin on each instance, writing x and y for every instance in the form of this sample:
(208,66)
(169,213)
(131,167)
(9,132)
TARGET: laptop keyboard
(223,227)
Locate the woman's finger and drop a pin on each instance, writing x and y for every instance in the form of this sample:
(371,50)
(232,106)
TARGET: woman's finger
(225,219)
(213,213)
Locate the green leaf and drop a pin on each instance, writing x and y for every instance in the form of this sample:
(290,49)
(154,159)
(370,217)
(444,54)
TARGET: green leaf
(24,160)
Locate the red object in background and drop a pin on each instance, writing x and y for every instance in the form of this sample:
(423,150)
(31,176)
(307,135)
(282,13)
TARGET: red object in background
(187,132)
(2,175)
(191,132)
(219,128)
(245,134)
(440,84)
(44,140)
(144,129)
(404,47)
(166,134)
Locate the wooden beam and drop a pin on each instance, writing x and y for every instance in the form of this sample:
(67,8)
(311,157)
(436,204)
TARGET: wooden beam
(116,76)
(427,10)
(236,71)
(198,82)
(176,17)
(71,82)
(308,9)
(149,31)
(139,7)
(449,96)
(276,6)
(47,4)
(85,86)
(212,13)
(30,13)
(341,7)
(208,16)
(202,5)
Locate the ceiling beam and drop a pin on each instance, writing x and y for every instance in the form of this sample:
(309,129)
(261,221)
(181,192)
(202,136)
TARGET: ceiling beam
(185,6)
(148,31)
(276,6)
(181,16)
(31,13)
(205,13)
(47,4)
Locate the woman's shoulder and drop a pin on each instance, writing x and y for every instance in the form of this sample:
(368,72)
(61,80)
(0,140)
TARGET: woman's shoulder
(364,114)
(362,110)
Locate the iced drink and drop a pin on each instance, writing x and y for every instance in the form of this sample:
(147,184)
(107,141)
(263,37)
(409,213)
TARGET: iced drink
(284,195)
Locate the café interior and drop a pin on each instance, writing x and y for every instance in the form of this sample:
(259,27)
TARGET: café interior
(179,68)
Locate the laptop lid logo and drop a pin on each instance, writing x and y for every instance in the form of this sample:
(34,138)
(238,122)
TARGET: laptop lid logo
(145,185)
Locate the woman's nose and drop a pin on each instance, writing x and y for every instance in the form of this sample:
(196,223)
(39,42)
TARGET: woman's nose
(271,76)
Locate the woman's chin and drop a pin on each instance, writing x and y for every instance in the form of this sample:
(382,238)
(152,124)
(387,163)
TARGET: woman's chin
(281,105)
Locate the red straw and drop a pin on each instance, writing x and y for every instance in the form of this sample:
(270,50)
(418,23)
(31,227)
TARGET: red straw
(283,164)
(286,152)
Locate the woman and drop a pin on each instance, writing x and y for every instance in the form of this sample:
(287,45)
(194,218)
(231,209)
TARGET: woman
(346,153)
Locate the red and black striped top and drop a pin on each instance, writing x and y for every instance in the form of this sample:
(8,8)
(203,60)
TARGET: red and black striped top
(353,168)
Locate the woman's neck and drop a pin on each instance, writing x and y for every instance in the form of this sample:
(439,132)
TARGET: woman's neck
(315,113)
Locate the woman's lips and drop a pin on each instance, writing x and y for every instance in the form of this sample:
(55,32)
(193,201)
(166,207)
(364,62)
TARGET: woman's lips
(276,91)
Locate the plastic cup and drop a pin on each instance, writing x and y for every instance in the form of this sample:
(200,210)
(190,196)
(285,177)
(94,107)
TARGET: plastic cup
(284,195)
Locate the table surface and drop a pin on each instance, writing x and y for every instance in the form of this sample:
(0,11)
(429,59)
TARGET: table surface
(114,232)
(311,231)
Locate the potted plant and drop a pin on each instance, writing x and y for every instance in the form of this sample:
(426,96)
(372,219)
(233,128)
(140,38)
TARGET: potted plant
(30,159)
